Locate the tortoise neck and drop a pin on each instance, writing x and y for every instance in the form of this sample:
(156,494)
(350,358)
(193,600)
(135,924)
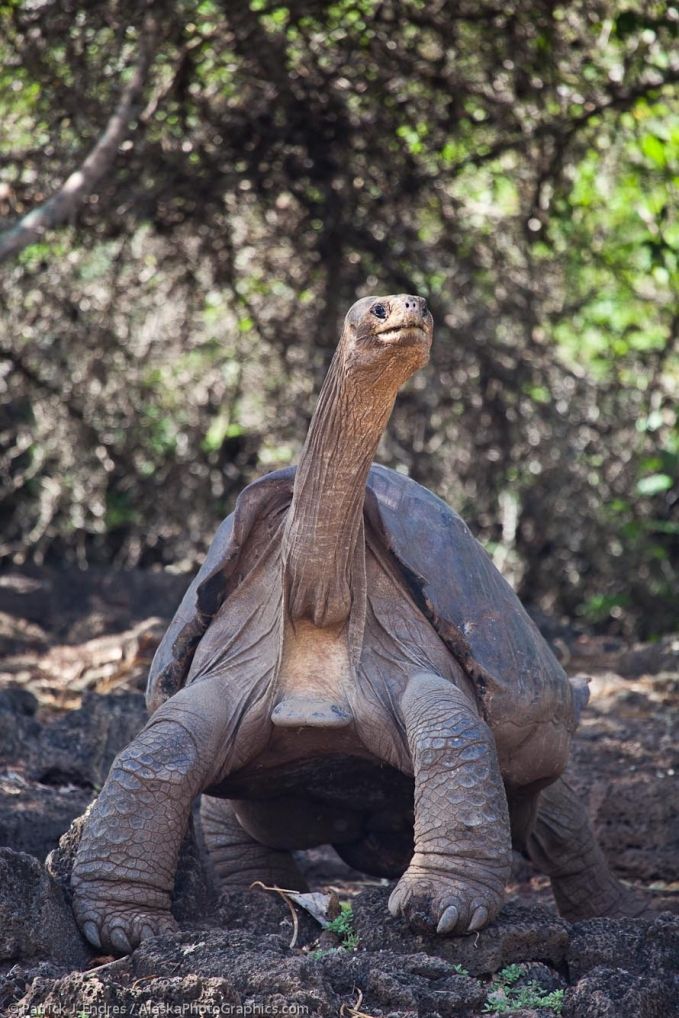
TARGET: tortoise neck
(325,517)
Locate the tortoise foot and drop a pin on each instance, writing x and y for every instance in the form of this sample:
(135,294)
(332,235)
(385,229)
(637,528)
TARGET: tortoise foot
(446,902)
(110,924)
(578,899)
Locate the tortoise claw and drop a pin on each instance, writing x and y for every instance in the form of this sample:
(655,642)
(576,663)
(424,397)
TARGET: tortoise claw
(92,934)
(393,906)
(479,919)
(120,941)
(448,920)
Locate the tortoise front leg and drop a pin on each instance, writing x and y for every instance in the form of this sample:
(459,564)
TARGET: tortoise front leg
(455,881)
(124,870)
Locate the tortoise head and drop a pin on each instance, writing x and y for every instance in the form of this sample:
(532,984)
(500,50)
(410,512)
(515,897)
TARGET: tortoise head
(388,337)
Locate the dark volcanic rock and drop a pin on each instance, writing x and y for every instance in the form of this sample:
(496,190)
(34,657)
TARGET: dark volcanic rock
(256,913)
(263,971)
(543,975)
(519,933)
(651,658)
(18,726)
(80,747)
(44,813)
(617,993)
(35,920)
(624,967)
(258,967)
(242,954)
(638,945)
(16,980)
(51,770)
(90,994)
(32,816)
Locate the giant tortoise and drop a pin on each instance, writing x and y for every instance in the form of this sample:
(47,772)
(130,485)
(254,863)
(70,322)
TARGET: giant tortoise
(348,667)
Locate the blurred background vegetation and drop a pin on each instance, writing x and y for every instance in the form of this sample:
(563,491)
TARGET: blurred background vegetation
(164,344)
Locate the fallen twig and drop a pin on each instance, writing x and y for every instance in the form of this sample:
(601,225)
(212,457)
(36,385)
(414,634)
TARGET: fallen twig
(353,1010)
(284,894)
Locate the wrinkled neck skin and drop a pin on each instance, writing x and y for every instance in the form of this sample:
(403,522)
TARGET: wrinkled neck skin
(326,515)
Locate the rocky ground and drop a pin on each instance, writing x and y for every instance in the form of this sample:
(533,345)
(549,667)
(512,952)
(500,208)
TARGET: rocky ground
(75,649)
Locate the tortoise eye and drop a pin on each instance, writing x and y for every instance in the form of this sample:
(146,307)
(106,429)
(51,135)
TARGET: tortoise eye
(379,310)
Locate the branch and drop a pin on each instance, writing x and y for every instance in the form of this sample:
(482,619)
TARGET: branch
(64,202)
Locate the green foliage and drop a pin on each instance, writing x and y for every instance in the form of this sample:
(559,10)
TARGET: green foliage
(343,926)
(506,997)
(510,974)
(514,163)
(617,219)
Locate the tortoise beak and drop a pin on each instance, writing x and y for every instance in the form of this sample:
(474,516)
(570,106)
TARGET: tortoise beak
(412,331)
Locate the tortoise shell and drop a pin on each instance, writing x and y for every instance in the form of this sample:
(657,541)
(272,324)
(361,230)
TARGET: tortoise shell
(517,679)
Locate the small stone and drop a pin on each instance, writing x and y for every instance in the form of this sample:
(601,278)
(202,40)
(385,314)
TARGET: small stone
(35,919)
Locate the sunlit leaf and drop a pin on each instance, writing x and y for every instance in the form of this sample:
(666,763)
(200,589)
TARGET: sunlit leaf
(654,484)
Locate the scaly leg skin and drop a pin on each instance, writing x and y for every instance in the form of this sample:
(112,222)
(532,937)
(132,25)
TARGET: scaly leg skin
(124,870)
(562,845)
(238,859)
(456,879)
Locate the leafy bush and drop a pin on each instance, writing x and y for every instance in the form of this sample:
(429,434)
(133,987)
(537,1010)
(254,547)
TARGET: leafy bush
(513,163)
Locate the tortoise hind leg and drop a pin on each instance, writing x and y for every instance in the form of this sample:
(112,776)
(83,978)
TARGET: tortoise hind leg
(379,853)
(562,845)
(237,859)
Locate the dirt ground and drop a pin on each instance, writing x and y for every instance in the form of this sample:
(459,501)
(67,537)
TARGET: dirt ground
(74,651)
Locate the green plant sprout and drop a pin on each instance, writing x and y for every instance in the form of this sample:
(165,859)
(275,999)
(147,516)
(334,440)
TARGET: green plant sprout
(505,997)
(343,926)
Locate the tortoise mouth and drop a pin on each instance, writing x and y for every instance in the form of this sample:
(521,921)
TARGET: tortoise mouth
(414,332)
